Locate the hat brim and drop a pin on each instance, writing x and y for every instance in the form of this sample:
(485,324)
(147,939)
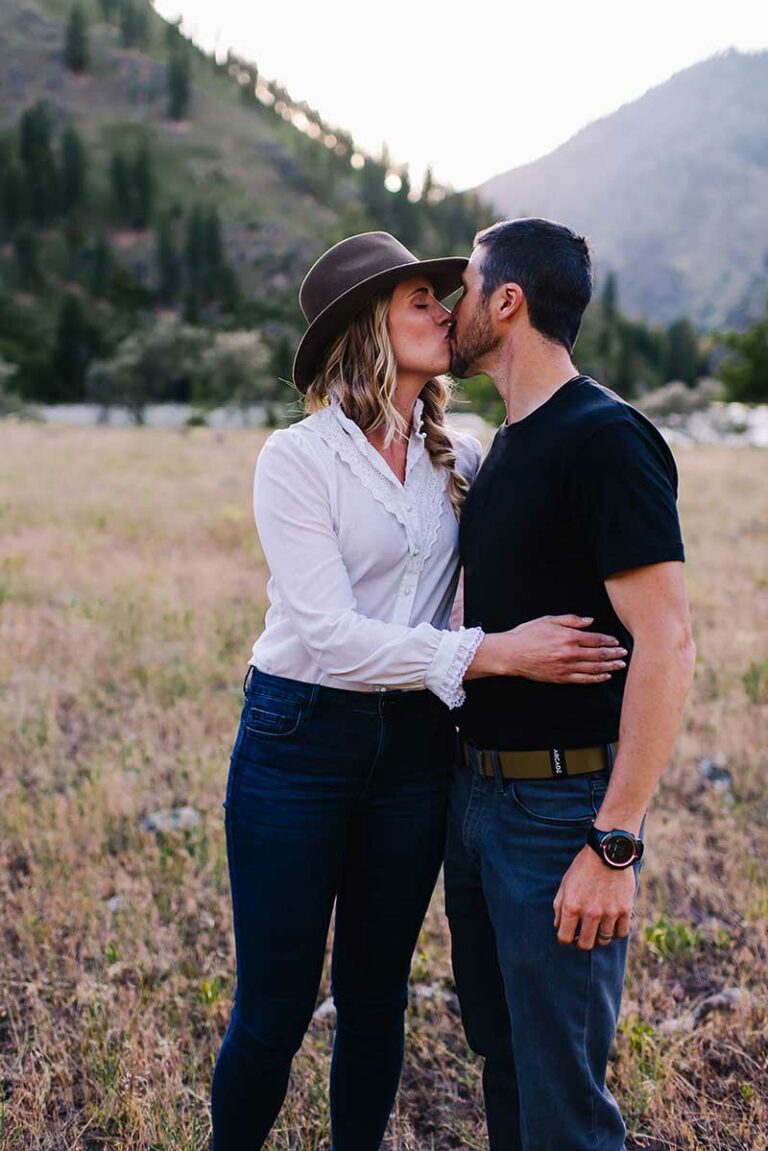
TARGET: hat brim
(444,275)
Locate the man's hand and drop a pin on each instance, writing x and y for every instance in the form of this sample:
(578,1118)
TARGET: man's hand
(596,897)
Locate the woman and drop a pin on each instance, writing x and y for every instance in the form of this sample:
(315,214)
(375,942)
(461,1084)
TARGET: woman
(340,771)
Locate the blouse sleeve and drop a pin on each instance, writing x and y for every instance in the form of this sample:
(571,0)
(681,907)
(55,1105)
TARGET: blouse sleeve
(293,517)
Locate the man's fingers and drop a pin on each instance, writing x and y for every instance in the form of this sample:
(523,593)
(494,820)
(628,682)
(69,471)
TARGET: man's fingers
(558,906)
(569,921)
(588,932)
(606,931)
(621,930)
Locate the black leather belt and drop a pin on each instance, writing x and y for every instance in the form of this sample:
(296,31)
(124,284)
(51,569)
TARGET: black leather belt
(549,763)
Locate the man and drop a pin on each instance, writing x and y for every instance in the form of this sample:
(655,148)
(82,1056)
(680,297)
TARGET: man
(573,511)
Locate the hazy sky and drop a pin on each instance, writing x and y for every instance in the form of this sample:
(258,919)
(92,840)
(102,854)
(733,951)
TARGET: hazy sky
(473,88)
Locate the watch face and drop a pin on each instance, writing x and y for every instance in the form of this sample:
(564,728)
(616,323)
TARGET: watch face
(618,849)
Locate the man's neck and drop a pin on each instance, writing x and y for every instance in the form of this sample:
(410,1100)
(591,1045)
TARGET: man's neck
(530,377)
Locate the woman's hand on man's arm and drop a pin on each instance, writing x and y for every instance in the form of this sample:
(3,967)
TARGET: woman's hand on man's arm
(552,649)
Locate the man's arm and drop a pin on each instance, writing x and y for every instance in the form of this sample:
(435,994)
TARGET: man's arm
(652,604)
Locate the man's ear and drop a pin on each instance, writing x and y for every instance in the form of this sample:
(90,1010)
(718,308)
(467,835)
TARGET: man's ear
(510,300)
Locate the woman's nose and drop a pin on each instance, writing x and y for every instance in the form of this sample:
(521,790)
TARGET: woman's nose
(444,315)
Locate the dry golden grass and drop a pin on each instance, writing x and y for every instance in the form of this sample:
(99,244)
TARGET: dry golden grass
(131,588)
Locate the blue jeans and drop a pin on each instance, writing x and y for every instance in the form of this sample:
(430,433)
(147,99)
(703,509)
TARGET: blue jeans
(543,1015)
(331,795)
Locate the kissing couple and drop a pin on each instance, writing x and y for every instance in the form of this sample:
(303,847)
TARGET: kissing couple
(519,748)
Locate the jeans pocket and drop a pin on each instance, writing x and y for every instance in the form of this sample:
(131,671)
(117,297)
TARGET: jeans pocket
(272,718)
(555,802)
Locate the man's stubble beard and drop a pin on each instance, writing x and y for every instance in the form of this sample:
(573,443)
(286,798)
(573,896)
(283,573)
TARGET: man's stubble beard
(479,339)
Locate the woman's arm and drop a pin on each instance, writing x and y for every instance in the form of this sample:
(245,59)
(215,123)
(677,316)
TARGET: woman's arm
(293,517)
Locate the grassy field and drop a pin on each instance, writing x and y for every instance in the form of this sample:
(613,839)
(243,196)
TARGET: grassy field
(131,589)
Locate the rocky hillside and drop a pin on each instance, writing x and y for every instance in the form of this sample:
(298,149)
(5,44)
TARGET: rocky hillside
(281,179)
(671,189)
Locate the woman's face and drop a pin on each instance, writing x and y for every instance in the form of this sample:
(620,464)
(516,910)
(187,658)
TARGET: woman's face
(419,328)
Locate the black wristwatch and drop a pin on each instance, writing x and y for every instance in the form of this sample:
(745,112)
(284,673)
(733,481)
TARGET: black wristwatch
(617,849)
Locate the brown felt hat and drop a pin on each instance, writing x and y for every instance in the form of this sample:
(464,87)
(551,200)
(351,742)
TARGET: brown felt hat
(347,277)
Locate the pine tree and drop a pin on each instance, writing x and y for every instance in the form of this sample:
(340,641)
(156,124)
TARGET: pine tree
(130,24)
(682,360)
(72,352)
(76,42)
(41,176)
(194,247)
(12,196)
(143,185)
(73,165)
(406,214)
(98,281)
(230,296)
(173,33)
(745,370)
(122,187)
(194,264)
(28,268)
(168,262)
(609,300)
(178,75)
(213,252)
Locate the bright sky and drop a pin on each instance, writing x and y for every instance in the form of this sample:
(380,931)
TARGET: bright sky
(476,92)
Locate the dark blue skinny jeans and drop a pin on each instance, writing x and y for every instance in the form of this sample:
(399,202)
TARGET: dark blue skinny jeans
(332,796)
(543,1015)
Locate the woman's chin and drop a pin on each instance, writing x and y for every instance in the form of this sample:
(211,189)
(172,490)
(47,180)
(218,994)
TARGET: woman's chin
(442,363)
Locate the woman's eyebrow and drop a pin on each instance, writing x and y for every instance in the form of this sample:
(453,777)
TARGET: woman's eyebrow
(416,291)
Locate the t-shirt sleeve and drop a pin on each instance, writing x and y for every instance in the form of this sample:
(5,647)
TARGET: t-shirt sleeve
(623,490)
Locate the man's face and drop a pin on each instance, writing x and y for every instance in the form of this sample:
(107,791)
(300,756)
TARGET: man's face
(473,336)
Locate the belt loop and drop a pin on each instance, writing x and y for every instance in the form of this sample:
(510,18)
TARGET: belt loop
(610,756)
(501,783)
(248,671)
(472,758)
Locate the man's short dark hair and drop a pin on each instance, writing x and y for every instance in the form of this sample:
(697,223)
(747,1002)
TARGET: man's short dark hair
(552,266)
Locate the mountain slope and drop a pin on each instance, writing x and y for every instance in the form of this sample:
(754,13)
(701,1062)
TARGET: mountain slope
(672,191)
(226,152)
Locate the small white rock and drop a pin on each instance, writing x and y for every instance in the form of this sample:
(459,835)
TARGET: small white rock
(175,819)
(326,1010)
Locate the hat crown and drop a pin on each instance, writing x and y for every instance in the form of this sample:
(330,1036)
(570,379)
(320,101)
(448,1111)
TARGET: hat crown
(348,263)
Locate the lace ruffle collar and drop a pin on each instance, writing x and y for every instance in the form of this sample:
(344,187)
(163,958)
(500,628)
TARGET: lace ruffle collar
(419,503)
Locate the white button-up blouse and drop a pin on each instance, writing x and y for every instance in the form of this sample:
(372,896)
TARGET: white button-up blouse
(363,569)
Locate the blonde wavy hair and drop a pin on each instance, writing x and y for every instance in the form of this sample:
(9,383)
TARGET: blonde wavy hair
(359,370)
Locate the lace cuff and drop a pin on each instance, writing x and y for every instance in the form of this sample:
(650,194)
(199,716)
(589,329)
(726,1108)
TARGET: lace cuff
(446,673)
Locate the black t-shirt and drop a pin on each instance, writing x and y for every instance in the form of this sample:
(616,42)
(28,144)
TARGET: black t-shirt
(580,489)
